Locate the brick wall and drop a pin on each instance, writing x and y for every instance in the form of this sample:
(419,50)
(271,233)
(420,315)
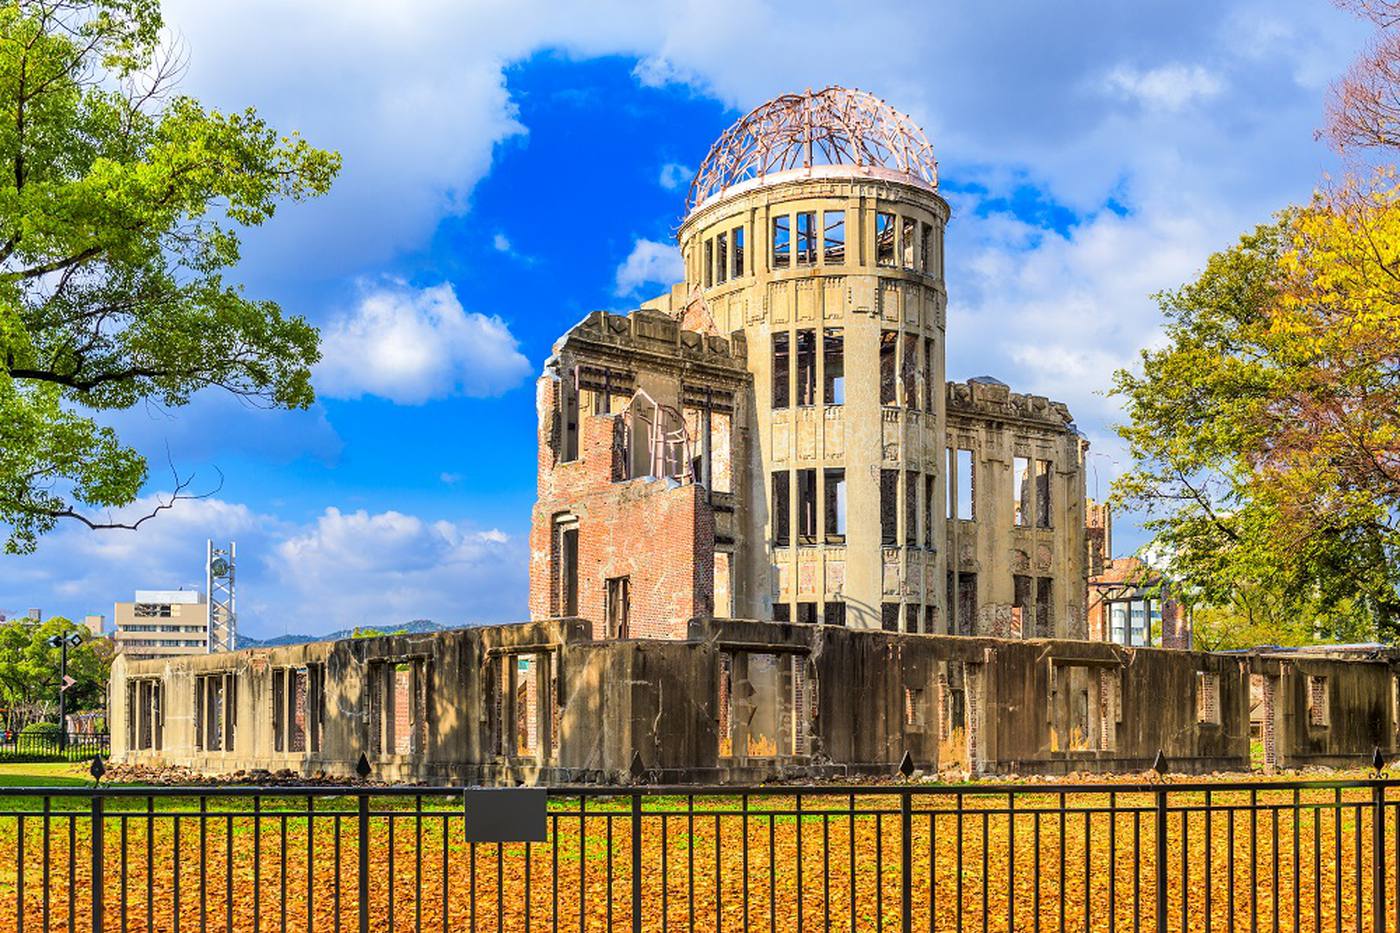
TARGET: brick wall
(658,533)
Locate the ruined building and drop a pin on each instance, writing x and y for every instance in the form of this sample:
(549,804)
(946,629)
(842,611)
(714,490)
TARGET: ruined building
(775,438)
(771,541)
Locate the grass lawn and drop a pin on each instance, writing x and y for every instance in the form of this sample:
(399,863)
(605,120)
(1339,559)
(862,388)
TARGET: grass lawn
(44,774)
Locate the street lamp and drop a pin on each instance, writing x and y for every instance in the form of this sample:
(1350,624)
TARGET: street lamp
(63,643)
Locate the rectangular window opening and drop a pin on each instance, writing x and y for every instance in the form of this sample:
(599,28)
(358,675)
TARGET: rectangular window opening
(709,263)
(617,597)
(909,370)
(781,508)
(1044,607)
(1042,494)
(834,482)
(721,258)
(806,506)
(807,613)
(889,508)
(1207,698)
(833,366)
(782,612)
(1021,492)
(911,508)
(930,512)
(737,237)
(929,382)
(806,238)
(782,241)
(806,367)
(889,617)
(1319,711)
(781,362)
(912,612)
(1022,618)
(907,242)
(884,239)
(888,342)
(834,236)
(834,613)
(566,550)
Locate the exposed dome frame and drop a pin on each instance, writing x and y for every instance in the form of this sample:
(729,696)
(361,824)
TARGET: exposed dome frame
(833,126)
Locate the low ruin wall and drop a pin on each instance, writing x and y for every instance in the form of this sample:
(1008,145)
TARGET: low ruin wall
(735,701)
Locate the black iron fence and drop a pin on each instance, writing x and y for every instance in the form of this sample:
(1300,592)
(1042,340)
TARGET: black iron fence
(1171,857)
(73,746)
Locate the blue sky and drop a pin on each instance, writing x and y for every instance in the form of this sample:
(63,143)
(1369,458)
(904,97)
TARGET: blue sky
(510,167)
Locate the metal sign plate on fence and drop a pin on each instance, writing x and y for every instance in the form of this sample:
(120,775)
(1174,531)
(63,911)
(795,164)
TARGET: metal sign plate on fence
(505,814)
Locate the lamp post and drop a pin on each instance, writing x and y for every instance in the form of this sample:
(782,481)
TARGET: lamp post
(63,643)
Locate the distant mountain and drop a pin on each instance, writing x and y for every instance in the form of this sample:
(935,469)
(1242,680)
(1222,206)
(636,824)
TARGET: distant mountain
(415,627)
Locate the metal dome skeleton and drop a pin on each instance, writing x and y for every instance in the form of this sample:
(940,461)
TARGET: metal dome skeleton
(833,126)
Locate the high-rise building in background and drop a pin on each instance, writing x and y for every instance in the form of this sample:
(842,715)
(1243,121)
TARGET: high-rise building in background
(161,623)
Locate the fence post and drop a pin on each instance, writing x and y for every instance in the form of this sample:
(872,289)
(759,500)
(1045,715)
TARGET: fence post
(637,862)
(98,867)
(906,836)
(1162,860)
(1378,857)
(364,863)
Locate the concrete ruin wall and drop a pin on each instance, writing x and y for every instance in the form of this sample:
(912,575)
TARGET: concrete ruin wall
(991,550)
(735,701)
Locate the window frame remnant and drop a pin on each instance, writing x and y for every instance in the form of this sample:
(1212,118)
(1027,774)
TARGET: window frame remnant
(930,511)
(518,735)
(889,508)
(393,681)
(834,612)
(806,359)
(834,237)
(889,391)
(1044,607)
(1207,698)
(1044,476)
(1021,492)
(807,506)
(885,230)
(909,369)
(782,508)
(710,262)
(806,243)
(780,243)
(566,544)
(911,508)
(216,711)
(781,343)
(890,615)
(145,714)
(782,612)
(833,366)
(907,238)
(721,258)
(834,504)
(806,613)
(736,237)
(774,705)
(617,606)
(1319,701)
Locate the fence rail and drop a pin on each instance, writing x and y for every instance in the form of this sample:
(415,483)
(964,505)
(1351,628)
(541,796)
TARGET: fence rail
(1205,856)
(73,746)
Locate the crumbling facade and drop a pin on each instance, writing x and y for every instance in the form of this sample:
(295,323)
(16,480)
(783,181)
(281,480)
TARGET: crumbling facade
(772,541)
(739,701)
(814,242)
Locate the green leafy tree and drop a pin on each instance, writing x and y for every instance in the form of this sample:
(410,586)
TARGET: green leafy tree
(29,670)
(1265,432)
(120,208)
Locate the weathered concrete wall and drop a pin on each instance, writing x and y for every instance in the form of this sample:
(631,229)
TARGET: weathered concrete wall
(1358,714)
(751,701)
(998,426)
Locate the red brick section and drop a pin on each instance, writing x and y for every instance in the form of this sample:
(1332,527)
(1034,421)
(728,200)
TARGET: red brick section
(658,534)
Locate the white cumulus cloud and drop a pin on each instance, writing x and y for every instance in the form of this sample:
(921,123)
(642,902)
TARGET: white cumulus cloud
(411,345)
(1169,87)
(359,568)
(674,175)
(649,263)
